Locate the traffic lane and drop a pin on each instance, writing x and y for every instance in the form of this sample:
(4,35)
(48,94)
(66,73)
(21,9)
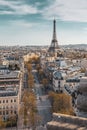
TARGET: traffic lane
(38,89)
(25,80)
(44,110)
(45,114)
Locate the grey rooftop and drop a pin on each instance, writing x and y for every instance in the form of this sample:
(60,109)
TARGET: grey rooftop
(8,93)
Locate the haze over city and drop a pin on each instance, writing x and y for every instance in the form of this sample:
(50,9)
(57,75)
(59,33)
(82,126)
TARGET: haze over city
(29,22)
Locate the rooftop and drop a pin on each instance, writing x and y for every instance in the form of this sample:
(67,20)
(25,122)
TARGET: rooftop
(3,67)
(73,80)
(59,75)
(9,75)
(8,93)
(67,122)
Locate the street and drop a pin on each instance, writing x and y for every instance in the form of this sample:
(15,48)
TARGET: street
(43,103)
(44,108)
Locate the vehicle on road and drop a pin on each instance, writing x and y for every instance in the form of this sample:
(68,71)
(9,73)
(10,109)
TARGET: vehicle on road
(37,97)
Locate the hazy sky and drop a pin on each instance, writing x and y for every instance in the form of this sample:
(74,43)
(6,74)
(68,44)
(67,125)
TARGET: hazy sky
(30,22)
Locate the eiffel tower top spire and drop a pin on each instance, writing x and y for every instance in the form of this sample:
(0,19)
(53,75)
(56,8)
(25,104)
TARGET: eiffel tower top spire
(54,43)
(54,29)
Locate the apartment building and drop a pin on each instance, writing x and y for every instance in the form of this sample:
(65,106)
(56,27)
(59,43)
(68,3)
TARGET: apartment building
(10,93)
(9,103)
(58,81)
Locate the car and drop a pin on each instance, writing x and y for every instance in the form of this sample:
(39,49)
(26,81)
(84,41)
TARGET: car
(33,90)
(37,97)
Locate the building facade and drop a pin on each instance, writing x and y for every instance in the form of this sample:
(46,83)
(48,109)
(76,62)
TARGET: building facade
(81,100)
(10,94)
(9,104)
(58,81)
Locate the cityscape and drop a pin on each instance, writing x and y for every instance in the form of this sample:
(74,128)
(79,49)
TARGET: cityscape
(43,82)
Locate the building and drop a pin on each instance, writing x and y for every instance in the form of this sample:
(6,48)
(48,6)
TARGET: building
(49,72)
(72,83)
(58,81)
(81,100)
(10,79)
(67,122)
(10,94)
(9,103)
(4,69)
(11,62)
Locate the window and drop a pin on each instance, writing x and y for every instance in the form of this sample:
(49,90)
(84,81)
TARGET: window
(15,112)
(6,101)
(59,85)
(11,112)
(59,81)
(3,107)
(14,100)
(6,107)
(7,112)
(11,100)
(3,112)
(0,113)
(0,101)
(3,101)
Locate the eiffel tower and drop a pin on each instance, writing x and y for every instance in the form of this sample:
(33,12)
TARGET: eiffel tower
(54,43)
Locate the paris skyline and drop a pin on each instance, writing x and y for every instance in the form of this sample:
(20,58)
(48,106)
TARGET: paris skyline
(30,22)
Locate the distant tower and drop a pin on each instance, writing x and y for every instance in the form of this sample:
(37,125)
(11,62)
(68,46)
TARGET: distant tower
(54,43)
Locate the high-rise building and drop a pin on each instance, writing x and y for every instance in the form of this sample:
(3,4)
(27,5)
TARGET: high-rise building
(54,43)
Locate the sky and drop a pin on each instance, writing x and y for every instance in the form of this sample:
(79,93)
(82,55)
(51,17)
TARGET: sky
(30,22)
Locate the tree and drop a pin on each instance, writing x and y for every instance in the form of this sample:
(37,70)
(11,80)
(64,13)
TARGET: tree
(36,59)
(41,73)
(30,81)
(61,103)
(83,70)
(45,82)
(29,67)
(12,120)
(16,66)
(2,123)
(10,66)
(29,109)
(38,67)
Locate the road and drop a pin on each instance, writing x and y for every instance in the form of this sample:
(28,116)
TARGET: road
(25,79)
(43,103)
(43,106)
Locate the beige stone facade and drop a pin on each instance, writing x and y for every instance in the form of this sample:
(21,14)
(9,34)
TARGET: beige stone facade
(9,105)
(10,94)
